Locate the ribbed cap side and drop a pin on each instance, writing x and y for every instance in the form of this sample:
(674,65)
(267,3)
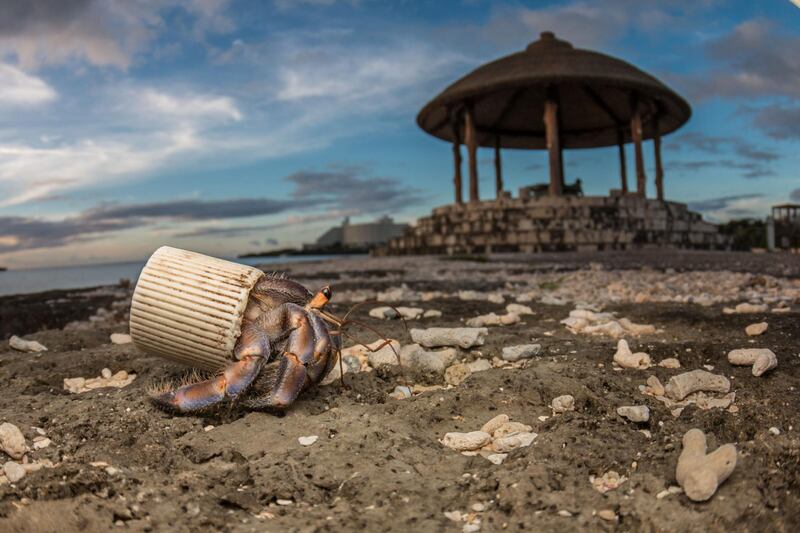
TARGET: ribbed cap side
(188,307)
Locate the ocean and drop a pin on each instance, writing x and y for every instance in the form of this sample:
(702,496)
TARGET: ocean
(76,277)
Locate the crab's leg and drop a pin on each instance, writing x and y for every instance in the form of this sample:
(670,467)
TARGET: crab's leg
(297,359)
(320,363)
(252,350)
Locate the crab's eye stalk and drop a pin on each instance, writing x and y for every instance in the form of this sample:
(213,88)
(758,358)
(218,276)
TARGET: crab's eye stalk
(321,298)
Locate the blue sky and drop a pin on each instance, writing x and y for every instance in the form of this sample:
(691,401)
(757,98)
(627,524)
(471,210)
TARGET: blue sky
(233,126)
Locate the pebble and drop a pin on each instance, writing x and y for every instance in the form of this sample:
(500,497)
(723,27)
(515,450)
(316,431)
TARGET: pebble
(121,338)
(497,458)
(456,374)
(307,441)
(454,516)
(479,365)
(564,513)
(519,309)
(495,423)
(118,380)
(521,351)
(610,480)
(682,385)
(106,373)
(478,507)
(493,319)
(432,313)
(22,345)
(774,430)
(669,362)
(473,440)
(563,403)
(463,337)
(510,428)
(634,413)
(13,471)
(41,442)
(401,392)
(607,514)
(471,528)
(654,386)
(283,502)
(756,329)
(208,428)
(12,442)
(512,442)
(762,359)
(627,359)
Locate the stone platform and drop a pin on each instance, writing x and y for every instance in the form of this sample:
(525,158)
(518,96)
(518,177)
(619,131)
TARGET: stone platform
(566,223)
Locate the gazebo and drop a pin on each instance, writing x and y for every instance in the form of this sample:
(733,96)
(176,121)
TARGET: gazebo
(554,96)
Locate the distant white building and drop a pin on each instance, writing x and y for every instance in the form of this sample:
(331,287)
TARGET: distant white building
(360,236)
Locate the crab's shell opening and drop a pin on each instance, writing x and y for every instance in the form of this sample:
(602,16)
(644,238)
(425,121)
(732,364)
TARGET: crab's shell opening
(188,307)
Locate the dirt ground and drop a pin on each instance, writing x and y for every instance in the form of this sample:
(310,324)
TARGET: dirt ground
(378,464)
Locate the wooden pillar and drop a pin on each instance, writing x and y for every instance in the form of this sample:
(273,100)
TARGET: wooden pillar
(553,147)
(470,138)
(659,168)
(636,133)
(457,159)
(623,171)
(498,168)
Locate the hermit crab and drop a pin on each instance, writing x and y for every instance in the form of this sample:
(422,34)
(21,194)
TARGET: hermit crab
(267,338)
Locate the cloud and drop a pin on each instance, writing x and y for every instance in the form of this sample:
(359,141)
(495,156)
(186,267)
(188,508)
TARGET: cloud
(725,208)
(754,59)
(20,89)
(328,195)
(751,160)
(187,105)
(191,209)
(105,33)
(778,121)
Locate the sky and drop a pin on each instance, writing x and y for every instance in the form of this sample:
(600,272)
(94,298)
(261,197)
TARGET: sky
(235,126)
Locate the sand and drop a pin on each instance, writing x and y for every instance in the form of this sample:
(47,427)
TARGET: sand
(378,463)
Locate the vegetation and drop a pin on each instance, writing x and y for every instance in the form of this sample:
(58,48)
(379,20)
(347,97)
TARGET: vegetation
(745,233)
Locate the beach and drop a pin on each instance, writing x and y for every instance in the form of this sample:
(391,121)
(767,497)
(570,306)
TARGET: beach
(378,463)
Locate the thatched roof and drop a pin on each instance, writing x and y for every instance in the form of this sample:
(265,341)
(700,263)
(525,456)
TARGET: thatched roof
(594,92)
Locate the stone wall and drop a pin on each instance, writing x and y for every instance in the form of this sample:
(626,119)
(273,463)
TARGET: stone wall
(556,224)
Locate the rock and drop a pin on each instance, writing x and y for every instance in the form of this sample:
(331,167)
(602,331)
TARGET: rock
(756,329)
(106,373)
(386,355)
(456,374)
(636,329)
(13,471)
(607,514)
(490,426)
(512,442)
(774,430)
(12,442)
(634,413)
(682,385)
(41,442)
(416,357)
(121,338)
(608,481)
(654,386)
(624,358)
(74,385)
(510,428)
(26,346)
(497,458)
(473,440)
(380,312)
(454,516)
(401,392)
(432,313)
(493,319)
(479,365)
(521,351)
(562,404)
(611,328)
(308,441)
(478,507)
(698,473)
(463,337)
(751,308)
(762,359)
(519,309)
(669,362)
(118,380)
